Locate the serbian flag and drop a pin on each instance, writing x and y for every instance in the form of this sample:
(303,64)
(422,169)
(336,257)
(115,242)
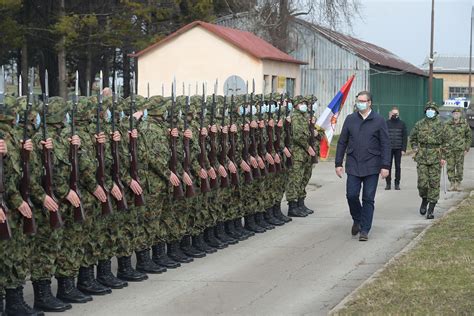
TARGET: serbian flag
(328,119)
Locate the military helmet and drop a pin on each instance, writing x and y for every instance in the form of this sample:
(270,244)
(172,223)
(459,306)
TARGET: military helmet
(57,109)
(83,110)
(432,105)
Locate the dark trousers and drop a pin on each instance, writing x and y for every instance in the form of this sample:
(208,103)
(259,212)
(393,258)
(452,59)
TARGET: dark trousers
(397,156)
(362,213)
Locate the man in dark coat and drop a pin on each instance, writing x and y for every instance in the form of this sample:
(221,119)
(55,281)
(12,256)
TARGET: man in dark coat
(397,132)
(364,138)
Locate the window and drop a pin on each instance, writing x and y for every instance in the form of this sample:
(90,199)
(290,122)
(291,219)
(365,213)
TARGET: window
(458,92)
(290,86)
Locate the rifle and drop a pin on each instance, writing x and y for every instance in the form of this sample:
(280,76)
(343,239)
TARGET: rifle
(139,200)
(270,129)
(29,224)
(245,146)
(5,231)
(223,141)
(55,219)
(79,214)
(312,138)
(287,140)
(190,192)
(253,142)
(276,144)
(177,190)
(202,144)
(234,177)
(212,156)
(99,153)
(262,148)
(122,204)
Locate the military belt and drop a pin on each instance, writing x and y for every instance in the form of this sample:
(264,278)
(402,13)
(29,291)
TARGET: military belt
(430,145)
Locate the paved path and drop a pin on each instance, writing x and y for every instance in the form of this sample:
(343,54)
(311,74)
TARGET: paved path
(305,267)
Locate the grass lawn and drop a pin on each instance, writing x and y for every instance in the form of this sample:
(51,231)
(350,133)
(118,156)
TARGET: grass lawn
(436,277)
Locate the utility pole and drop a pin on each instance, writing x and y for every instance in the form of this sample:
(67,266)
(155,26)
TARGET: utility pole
(431,59)
(470,55)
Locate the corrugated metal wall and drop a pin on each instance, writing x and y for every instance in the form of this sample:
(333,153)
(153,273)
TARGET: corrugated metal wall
(329,67)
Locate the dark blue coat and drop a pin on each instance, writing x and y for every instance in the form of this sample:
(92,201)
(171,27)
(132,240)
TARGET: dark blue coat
(366,144)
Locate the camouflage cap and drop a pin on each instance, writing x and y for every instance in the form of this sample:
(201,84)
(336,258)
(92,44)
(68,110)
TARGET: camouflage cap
(57,110)
(157,105)
(83,111)
(432,105)
(457,110)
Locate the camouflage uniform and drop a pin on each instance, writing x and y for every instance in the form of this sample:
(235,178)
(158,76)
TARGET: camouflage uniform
(428,138)
(15,251)
(459,141)
(300,173)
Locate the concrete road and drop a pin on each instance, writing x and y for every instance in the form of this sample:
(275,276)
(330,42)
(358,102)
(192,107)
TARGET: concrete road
(304,267)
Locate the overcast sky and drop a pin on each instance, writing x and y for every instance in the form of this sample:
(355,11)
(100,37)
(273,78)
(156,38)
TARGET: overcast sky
(403,27)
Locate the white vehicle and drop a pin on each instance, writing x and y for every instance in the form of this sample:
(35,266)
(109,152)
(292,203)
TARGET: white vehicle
(457,102)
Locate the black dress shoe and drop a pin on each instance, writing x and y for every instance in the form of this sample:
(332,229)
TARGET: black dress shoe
(355,229)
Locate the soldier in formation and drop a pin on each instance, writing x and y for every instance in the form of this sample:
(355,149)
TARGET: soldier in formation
(88,180)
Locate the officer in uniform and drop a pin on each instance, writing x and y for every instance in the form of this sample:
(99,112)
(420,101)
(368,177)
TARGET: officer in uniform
(428,139)
(459,142)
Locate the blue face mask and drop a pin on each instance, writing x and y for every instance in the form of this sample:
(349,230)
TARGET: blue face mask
(273,108)
(303,108)
(68,118)
(108,116)
(241,110)
(17,119)
(145,114)
(361,106)
(37,120)
(290,106)
(430,113)
(122,115)
(254,110)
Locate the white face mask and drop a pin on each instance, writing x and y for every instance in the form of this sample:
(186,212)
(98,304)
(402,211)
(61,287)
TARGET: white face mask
(303,107)
(430,113)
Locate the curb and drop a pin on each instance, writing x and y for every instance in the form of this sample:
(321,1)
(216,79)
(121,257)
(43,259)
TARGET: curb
(407,248)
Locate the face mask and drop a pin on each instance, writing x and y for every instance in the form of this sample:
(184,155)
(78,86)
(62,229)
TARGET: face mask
(361,106)
(290,106)
(241,110)
(68,118)
(394,116)
(37,120)
(430,113)
(145,114)
(303,108)
(315,106)
(17,119)
(122,115)
(273,108)
(254,110)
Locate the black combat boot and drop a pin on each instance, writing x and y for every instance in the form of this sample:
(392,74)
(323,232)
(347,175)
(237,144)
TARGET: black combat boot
(304,207)
(16,305)
(107,278)
(431,208)
(127,273)
(222,236)
(145,264)
(211,240)
(239,227)
(294,210)
(260,221)
(160,257)
(424,205)
(278,213)
(200,244)
(271,219)
(45,300)
(188,248)
(232,232)
(175,253)
(86,282)
(67,292)
(251,225)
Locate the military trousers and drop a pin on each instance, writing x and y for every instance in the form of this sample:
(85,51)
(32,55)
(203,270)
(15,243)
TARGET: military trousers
(455,161)
(429,178)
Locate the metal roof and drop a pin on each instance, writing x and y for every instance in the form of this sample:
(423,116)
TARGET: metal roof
(374,54)
(246,41)
(450,64)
